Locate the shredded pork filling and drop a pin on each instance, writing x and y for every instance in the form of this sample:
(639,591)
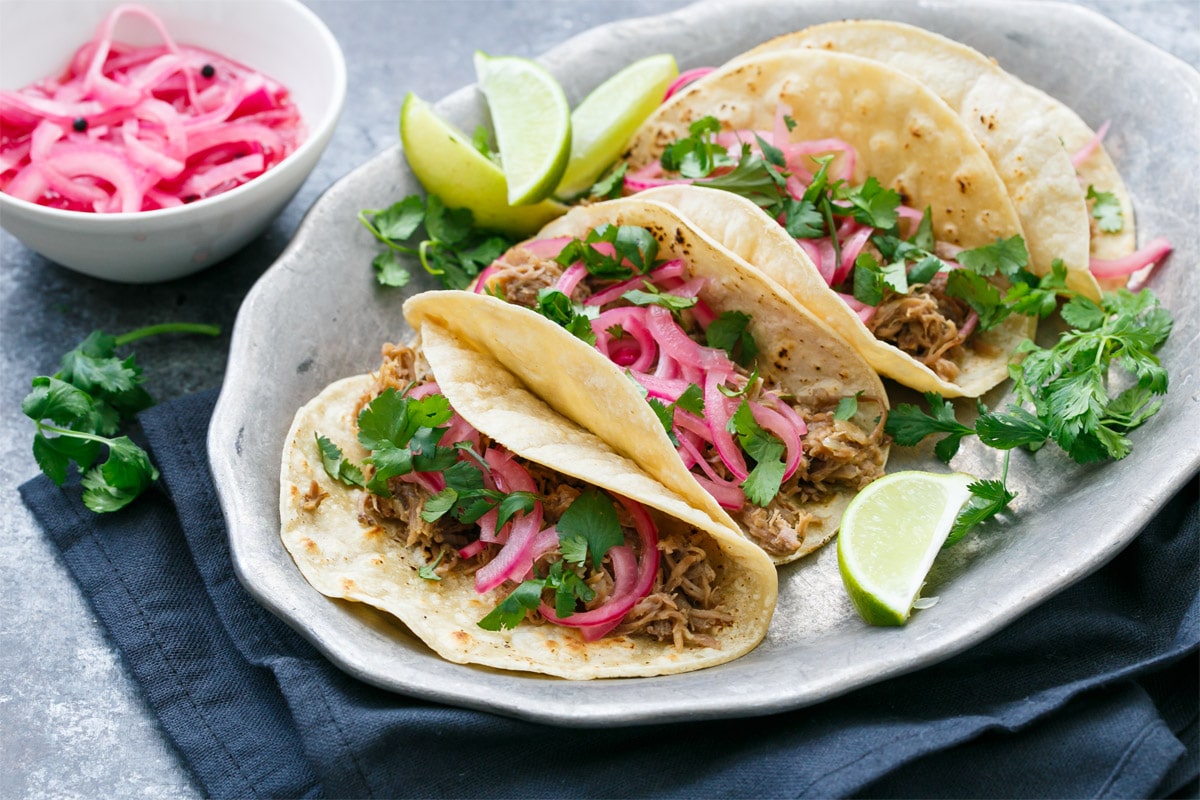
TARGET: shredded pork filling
(682,606)
(926,323)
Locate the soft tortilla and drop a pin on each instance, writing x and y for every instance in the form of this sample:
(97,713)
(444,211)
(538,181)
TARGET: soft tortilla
(796,350)
(344,558)
(905,137)
(1028,134)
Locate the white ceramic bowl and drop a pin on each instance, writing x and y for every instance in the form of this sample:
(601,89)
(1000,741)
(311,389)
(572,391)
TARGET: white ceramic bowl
(280,38)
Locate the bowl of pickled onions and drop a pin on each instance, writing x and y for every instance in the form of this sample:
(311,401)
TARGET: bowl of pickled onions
(141,142)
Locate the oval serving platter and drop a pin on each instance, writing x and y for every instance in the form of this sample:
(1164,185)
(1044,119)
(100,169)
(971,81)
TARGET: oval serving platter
(1069,519)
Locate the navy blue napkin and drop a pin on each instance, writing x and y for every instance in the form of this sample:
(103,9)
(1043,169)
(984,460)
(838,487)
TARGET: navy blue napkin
(1092,694)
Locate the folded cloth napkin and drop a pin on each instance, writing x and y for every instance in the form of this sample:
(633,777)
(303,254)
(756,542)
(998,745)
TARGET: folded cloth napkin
(1092,694)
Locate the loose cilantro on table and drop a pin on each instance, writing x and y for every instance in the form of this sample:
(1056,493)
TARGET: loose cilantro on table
(1065,394)
(452,248)
(78,411)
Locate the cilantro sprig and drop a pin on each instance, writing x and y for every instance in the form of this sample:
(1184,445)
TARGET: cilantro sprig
(1065,395)
(588,526)
(766,449)
(452,248)
(78,412)
(634,252)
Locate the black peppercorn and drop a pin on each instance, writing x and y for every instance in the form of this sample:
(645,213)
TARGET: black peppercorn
(79,124)
(208,70)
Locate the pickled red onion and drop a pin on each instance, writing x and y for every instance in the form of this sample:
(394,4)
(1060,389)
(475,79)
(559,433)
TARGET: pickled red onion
(161,121)
(1154,251)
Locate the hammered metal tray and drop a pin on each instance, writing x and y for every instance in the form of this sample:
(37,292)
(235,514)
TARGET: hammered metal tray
(1069,519)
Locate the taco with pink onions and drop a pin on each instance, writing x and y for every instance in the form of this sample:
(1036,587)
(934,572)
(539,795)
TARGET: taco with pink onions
(1071,199)
(863,194)
(439,490)
(642,329)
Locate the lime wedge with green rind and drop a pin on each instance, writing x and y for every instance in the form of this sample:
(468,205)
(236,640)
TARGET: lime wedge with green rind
(532,123)
(890,534)
(604,122)
(448,165)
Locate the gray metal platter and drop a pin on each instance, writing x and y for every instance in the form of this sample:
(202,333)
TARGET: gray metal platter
(317,315)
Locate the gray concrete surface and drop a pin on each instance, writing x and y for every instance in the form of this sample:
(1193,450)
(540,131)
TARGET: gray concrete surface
(72,722)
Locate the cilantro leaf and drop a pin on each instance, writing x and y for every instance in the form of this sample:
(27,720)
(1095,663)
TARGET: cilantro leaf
(611,186)
(869,280)
(872,204)
(389,270)
(1017,428)
(575,317)
(698,154)
(511,610)
(336,465)
(980,294)
(427,571)
(80,409)
(592,517)
(1106,210)
(1003,256)
(634,251)
(124,475)
(766,449)
(847,407)
(908,425)
(692,400)
(568,586)
(730,332)
(655,297)
(988,498)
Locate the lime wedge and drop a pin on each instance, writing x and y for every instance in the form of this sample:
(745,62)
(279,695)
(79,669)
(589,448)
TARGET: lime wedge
(607,118)
(532,122)
(448,165)
(890,534)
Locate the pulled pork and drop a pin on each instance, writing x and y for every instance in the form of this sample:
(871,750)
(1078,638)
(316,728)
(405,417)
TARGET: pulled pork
(926,323)
(837,455)
(681,605)
(519,275)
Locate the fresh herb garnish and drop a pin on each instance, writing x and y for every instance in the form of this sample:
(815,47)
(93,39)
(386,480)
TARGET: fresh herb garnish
(402,434)
(589,525)
(81,408)
(428,571)
(575,317)
(766,449)
(653,296)
(634,252)
(592,518)
(452,248)
(336,465)
(1106,210)
(1064,394)
(730,332)
(847,407)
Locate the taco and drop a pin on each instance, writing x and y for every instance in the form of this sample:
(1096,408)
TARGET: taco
(647,332)
(1052,162)
(825,144)
(442,492)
